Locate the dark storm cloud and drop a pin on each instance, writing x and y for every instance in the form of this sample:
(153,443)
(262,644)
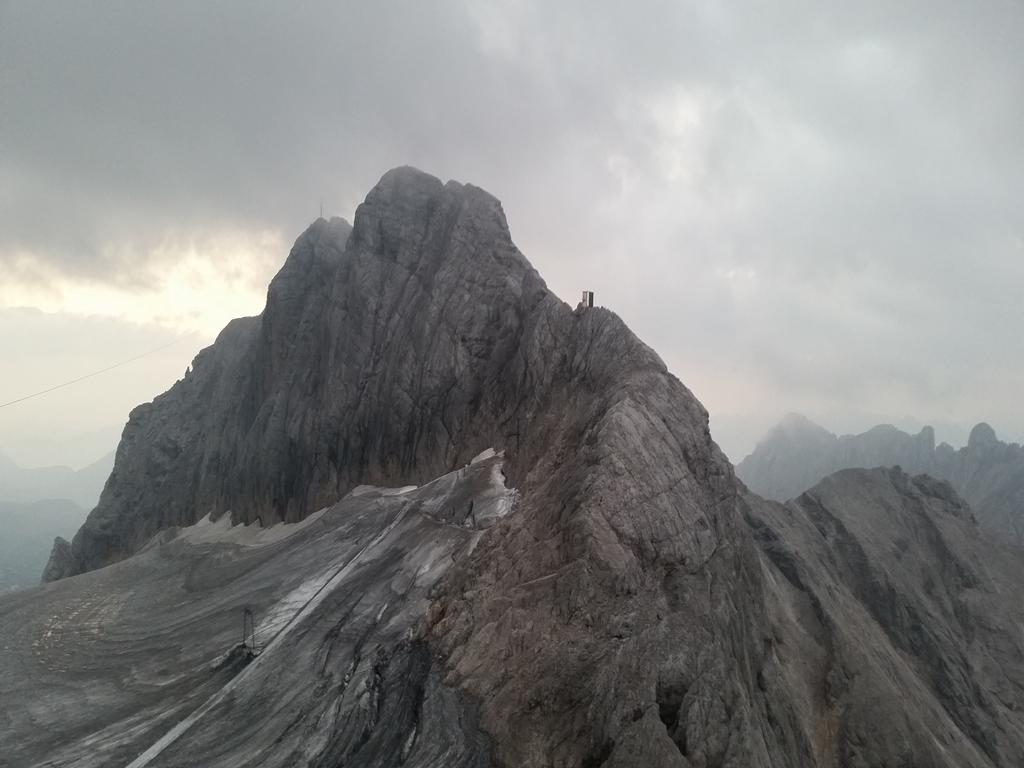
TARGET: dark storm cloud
(803,206)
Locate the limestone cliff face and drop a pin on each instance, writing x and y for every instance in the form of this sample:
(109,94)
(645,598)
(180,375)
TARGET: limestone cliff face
(624,589)
(895,624)
(635,607)
(386,354)
(987,472)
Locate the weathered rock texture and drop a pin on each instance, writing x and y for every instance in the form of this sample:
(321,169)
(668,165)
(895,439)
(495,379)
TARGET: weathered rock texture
(987,472)
(140,663)
(623,594)
(621,615)
(386,354)
(896,627)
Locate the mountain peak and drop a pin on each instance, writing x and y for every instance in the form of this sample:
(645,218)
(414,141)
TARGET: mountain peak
(389,352)
(982,436)
(987,472)
(409,214)
(795,420)
(612,609)
(794,426)
(428,339)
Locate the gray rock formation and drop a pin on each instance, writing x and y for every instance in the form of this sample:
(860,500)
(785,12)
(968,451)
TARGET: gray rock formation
(620,614)
(60,560)
(385,357)
(895,625)
(990,475)
(397,354)
(987,472)
(140,663)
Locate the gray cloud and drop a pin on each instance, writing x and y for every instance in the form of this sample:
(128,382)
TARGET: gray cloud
(802,206)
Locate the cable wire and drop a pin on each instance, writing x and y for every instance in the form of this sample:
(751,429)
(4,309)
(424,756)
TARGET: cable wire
(90,375)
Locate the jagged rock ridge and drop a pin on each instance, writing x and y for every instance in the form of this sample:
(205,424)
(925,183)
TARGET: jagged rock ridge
(139,663)
(895,624)
(989,473)
(620,615)
(399,353)
(384,357)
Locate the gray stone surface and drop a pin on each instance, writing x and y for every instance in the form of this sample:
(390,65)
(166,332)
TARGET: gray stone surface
(622,594)
(897,629)
(386,357)
(631,609)
(139,663)
(60,560)
(987,472)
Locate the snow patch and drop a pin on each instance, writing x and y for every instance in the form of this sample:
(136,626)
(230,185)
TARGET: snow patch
(490,453)
(221,531)
(496,501)
(364,490)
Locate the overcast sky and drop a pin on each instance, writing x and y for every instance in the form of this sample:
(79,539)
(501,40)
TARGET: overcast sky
(802,206)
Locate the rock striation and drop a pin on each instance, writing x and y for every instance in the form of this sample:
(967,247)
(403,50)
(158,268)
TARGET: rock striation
(395,351)
(386,354)
(139,663)
(895,624)
(987,472)
(618,599)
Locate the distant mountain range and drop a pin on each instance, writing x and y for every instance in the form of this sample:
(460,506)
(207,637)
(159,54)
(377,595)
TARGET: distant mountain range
(987,472)
(82,486)
(37,505)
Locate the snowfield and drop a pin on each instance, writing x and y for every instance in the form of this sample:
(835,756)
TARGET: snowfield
(139,664)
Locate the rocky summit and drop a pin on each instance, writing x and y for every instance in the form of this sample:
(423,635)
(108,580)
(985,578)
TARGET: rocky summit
(470,526)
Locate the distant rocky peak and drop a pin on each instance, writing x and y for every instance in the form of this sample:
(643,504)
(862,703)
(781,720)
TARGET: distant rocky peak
(796,426)
(988,473)
(981,437)
(927,436)
(793,420)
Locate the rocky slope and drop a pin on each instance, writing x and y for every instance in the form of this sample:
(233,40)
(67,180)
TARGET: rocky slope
(396,351)
(386,354)
(987,472)
(140,663)
(620,613)
(896,627)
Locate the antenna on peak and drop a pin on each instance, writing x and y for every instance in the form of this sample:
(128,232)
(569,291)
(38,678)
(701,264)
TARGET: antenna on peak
(321,207)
